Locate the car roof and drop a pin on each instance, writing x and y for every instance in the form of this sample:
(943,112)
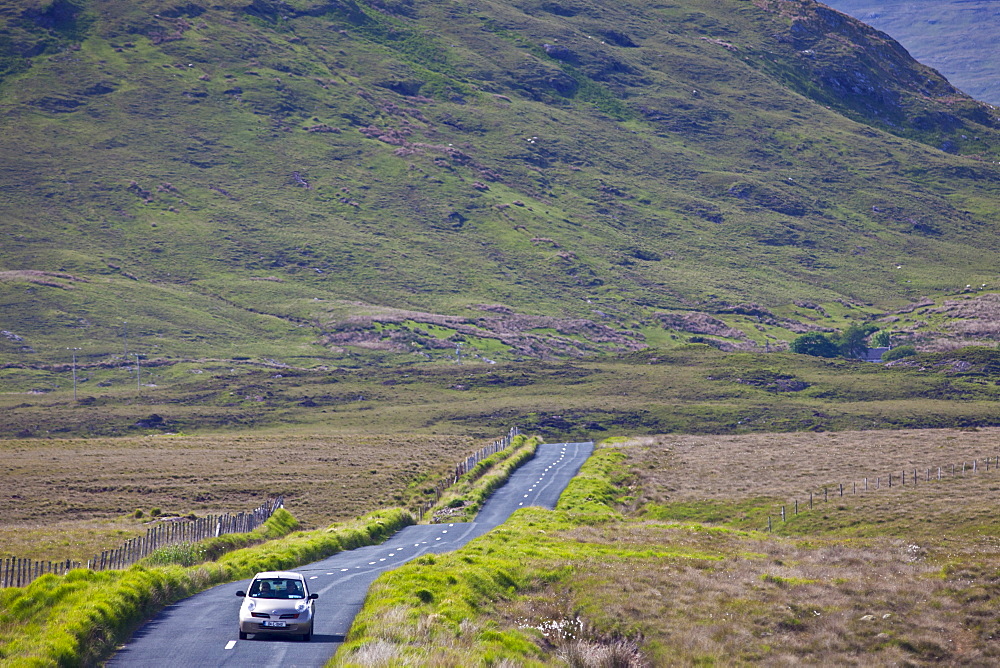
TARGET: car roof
(288,575)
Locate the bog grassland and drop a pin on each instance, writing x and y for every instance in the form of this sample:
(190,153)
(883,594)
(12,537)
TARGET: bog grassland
(692,388)
(341,442)
(656,556)
(77,497)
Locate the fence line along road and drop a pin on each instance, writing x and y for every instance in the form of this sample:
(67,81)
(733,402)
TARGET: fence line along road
(907,477)
(468,464)
(15,572)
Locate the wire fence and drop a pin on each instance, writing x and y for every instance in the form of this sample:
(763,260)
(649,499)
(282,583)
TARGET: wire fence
(908,477)
(468,464)
(16,572)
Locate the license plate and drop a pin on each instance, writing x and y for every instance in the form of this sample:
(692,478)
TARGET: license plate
(275,624)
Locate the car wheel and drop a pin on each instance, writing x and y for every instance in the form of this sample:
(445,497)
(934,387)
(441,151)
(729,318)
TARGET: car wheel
(306,637)
(243,636)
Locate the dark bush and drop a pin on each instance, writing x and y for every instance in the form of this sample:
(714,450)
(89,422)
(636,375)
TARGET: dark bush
(816,344)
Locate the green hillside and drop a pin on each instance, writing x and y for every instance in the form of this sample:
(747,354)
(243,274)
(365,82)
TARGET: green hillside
(313,179)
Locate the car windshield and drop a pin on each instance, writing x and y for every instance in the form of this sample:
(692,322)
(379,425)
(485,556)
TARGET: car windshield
(277,588)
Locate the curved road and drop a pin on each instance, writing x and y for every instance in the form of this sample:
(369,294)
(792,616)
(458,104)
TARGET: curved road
(201,630)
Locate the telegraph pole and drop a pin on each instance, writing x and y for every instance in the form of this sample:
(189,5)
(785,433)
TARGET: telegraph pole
(137,373)
(74,371)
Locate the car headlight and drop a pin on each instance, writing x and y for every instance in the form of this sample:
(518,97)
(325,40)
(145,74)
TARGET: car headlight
(251,605)
(300,607)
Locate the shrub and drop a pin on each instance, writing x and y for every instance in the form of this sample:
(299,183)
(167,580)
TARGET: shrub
(898,353)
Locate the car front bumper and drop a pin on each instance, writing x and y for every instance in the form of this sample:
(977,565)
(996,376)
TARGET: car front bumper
(296,628)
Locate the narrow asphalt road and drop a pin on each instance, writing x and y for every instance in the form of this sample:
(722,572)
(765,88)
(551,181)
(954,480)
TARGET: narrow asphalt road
(202,630)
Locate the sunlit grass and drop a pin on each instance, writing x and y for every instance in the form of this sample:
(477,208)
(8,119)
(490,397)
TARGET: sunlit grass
(77,619)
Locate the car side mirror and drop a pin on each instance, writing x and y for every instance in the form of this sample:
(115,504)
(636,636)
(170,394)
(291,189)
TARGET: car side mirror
(241,594)
(313,596)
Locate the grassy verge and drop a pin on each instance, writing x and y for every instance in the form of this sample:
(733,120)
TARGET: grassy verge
(434,610)
(462,501)
(78,619)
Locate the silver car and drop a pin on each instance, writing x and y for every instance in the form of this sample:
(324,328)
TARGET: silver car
(278,603)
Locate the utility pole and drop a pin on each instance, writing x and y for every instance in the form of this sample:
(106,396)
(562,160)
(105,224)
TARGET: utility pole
(74,371)
(137,373)
(125,322)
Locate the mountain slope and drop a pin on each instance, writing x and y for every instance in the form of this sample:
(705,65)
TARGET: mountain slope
(294,177)
(955,37)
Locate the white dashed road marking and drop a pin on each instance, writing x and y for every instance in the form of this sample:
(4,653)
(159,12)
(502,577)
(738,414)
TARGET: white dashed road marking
(231,644)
